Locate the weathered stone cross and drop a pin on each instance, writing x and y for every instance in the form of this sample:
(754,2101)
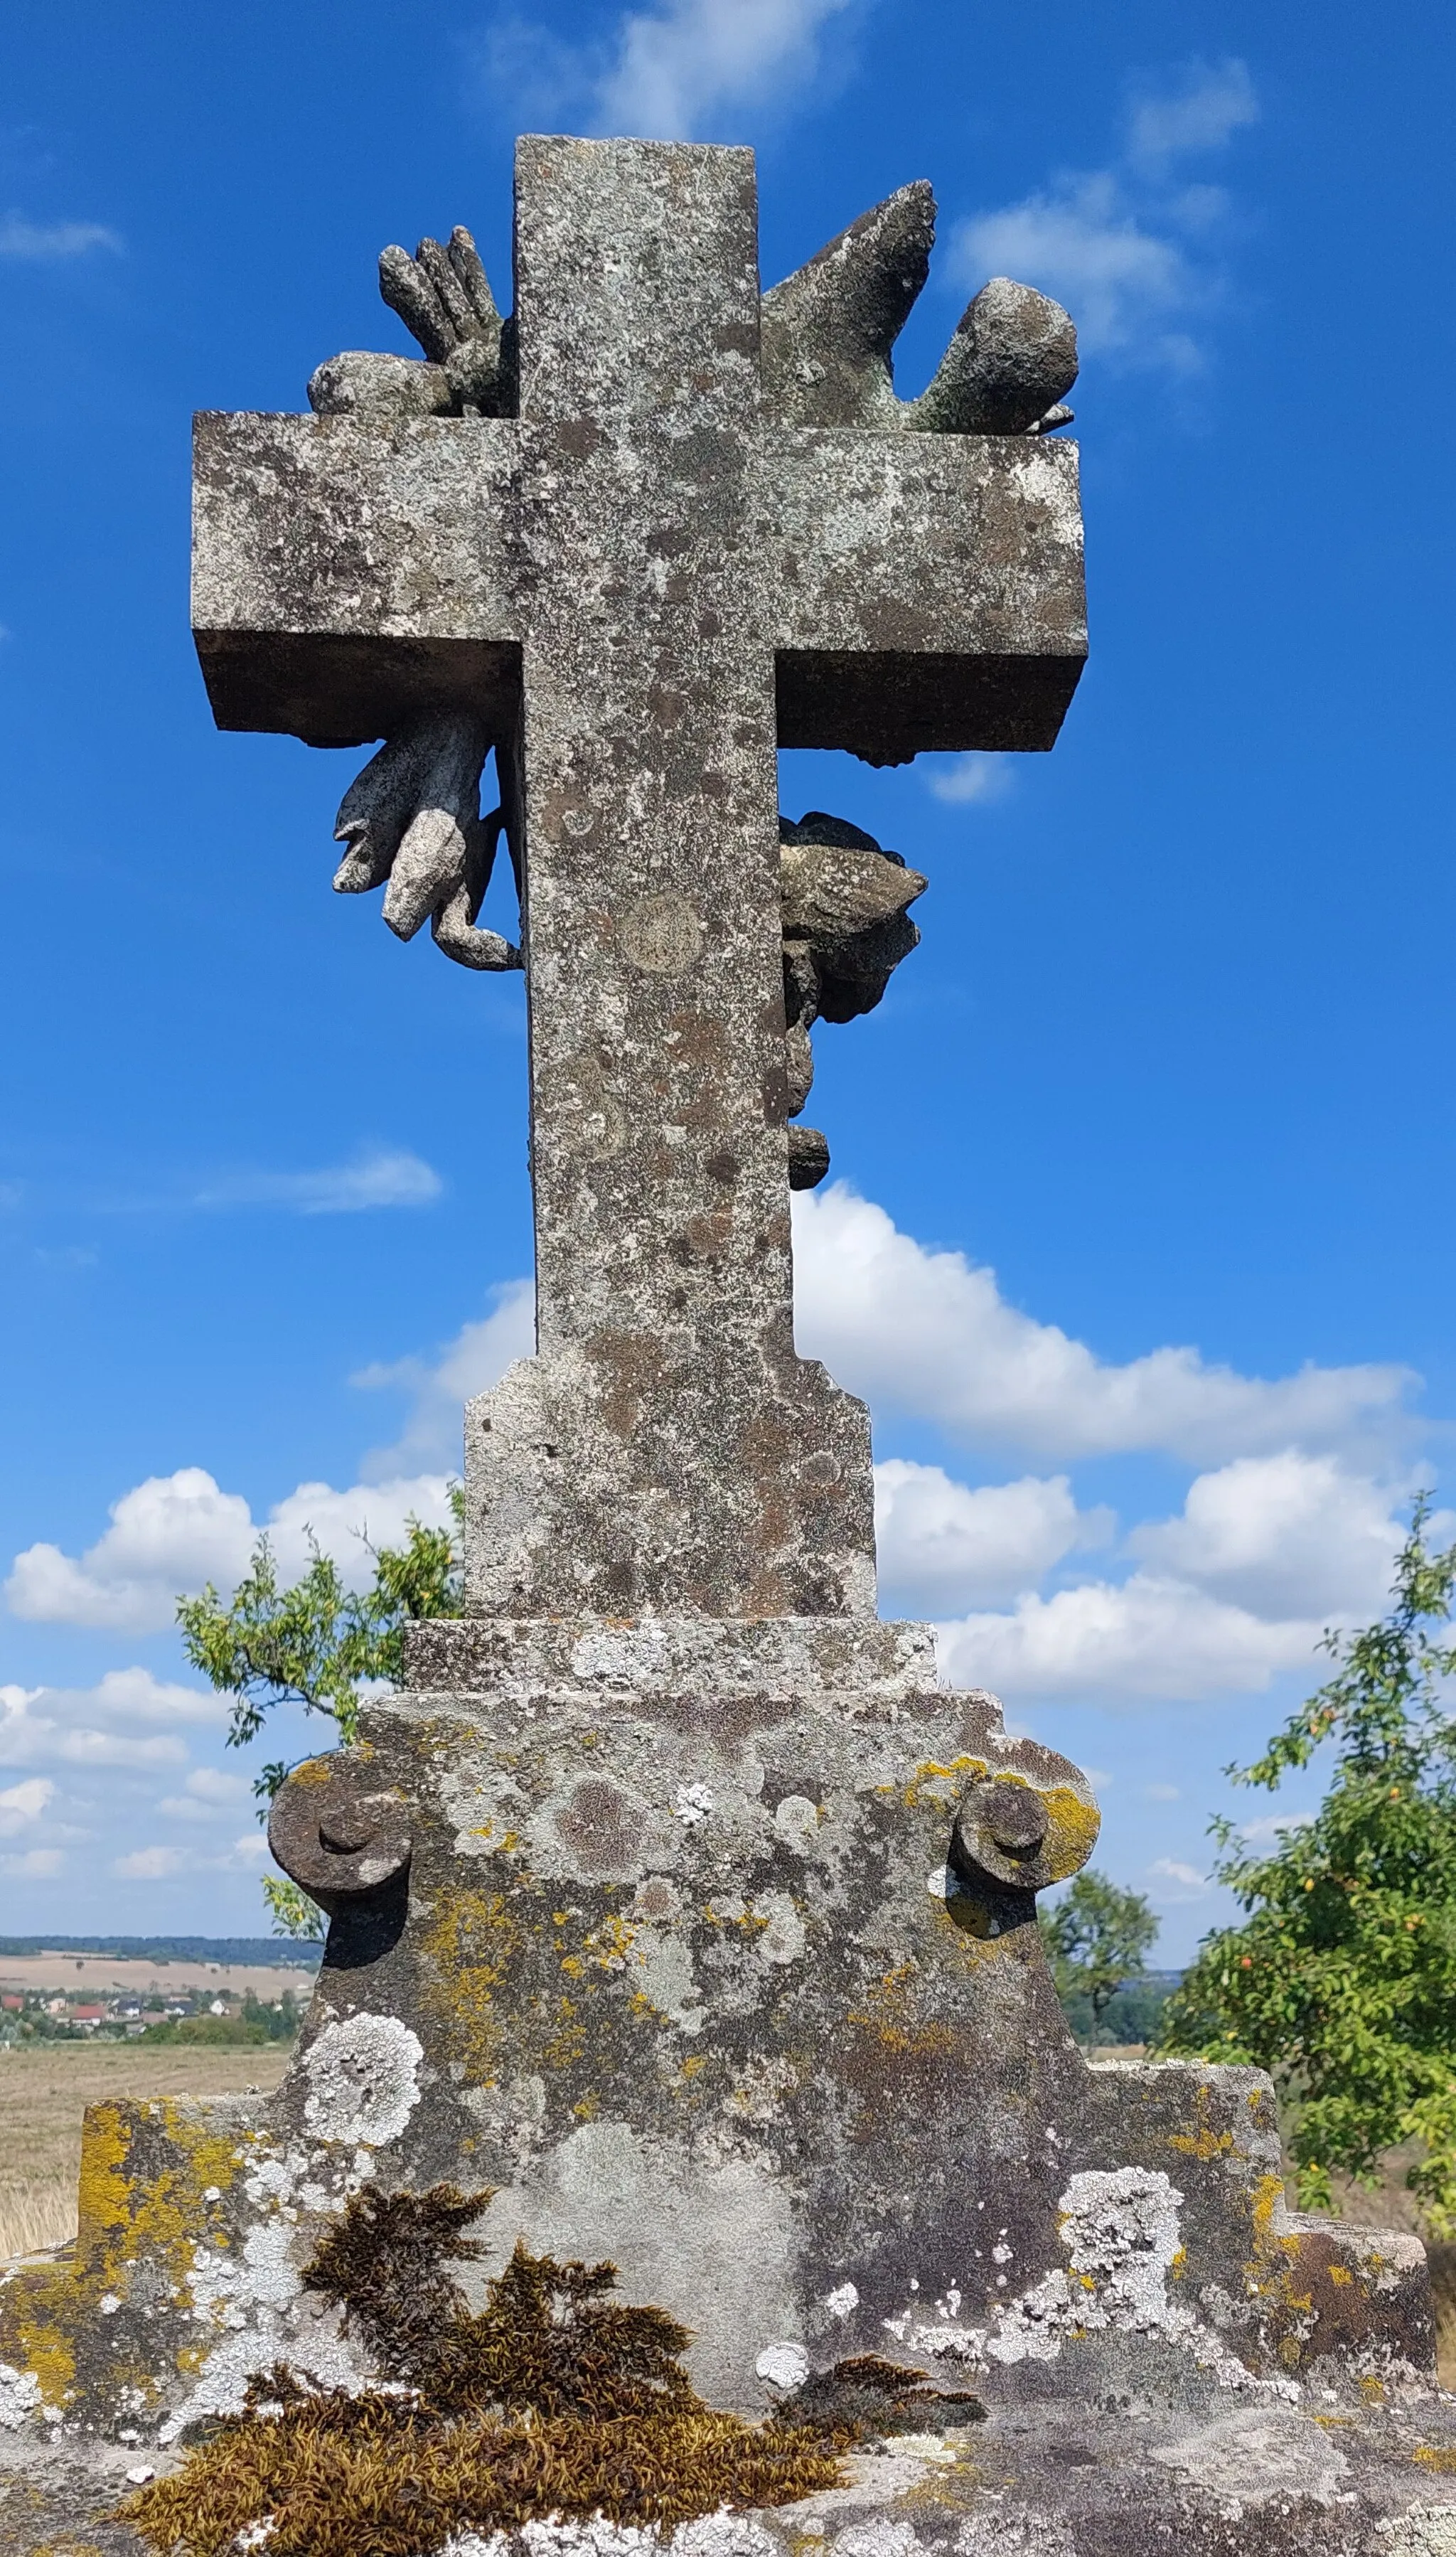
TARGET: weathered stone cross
(640,584)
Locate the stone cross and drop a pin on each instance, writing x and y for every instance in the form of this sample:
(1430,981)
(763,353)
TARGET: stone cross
(642,583)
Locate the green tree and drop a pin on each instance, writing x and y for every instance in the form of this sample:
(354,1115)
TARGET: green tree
(1096,1939)
(317,1645)
(1341,1980)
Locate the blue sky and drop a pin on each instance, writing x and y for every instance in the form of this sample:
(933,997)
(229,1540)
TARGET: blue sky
(1141,1237)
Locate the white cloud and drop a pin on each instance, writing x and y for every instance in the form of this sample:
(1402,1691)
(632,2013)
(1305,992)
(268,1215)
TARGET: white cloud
(381,1177)
(1268,1831)
(668,74)
(691,63)
(90,1727)
(1112,243)
(1160,1793)
(1186,1879)
(176,1532)
(943,1546)
(967,781)
(439,1388)
(209,1793)
(1285,1534)
(173,1532)
(249,1851)
(21,1803)
(34,1864)
(928,1333)
(1099,1642)
(42,243)
(1201,113)
(149,1864)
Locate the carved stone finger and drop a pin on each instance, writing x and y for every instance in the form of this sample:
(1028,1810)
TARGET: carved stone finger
(382,387)
(373,814)
(433,263)
(1011,358)
(455,933)
(798,1065)
(827,328)
(465,257)
(807,1159)
(830,893)
(410,292)
(429,867)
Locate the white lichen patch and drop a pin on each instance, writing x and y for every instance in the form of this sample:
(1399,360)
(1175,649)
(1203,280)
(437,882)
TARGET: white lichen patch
(1122,2233)
(1015,2532)
(714,2535)
(1258,2454)
(842,2300)
(783,2365)
(250,2297)
(877,2538)
(20,2398)
(364,2080)
(692,1805)
(1427,2530)
(782,1937)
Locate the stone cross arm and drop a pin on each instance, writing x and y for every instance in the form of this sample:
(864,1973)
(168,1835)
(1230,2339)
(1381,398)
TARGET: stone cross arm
(909,592)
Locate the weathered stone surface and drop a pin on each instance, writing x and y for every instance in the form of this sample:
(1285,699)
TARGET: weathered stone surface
(675,1906)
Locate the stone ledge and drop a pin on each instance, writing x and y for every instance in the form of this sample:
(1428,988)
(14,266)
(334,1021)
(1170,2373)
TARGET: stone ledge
(783,1657)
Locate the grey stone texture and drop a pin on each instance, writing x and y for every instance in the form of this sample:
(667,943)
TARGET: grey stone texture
(675,1906)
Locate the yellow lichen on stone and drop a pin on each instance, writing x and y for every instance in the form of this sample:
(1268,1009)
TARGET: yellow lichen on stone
(1073,1833)
(469,1946)
(943,1782)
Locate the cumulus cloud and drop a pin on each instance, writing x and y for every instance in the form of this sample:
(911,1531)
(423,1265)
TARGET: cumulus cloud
(685,68)
(176,1532)
(149,1864)
(209,1793)
(1186,1880)
(1202,111)
(379,1177)
(439,1388)
(1284,1535)
(128,1719)
(173,1532)
(929,1333)
(967,781)
(21,1803)
(47,243)
(1118,244)
(943,1546)
(33,1864)
(1104,1643)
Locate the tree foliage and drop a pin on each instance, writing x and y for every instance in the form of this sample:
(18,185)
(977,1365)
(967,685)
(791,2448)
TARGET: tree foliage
(1341,1980)
(1097,1938)
(317,1645)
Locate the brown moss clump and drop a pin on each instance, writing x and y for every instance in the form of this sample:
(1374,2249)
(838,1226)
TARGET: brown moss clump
(554,2398)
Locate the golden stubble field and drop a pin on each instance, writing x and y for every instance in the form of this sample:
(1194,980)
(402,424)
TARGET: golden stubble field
(44,2091)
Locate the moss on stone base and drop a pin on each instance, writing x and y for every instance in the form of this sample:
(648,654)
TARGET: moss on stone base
(554,2398)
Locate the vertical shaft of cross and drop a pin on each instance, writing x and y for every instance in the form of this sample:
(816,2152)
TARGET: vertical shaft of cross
(653,1455)
(647,752)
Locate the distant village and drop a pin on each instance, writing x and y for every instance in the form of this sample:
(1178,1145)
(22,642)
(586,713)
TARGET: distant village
(89,1996)
(192,2015)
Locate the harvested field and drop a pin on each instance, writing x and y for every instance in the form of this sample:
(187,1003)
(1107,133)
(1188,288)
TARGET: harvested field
(45,2089)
